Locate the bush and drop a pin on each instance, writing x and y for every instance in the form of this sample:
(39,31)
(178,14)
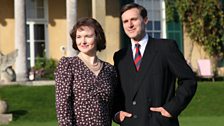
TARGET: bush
(44,68)
(203,20)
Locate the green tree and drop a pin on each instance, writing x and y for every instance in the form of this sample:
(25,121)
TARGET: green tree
(203,20)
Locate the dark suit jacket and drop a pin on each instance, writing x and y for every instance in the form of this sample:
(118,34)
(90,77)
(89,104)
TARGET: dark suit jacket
(154,85)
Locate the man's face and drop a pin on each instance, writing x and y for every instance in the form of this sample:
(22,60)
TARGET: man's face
(134,24)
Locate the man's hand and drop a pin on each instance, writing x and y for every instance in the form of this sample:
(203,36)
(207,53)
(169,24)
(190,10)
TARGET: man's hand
(120,116)
(161,110)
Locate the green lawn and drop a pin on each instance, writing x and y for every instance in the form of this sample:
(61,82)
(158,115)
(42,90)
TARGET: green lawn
(30,104)
(202,121)
(35,105)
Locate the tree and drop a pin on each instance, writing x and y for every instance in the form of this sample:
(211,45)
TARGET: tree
(203,20)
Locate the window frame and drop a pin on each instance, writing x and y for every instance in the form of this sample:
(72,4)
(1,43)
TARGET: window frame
(31,22)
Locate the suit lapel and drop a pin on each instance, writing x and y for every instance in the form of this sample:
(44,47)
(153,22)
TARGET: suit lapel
(147,59)
(129,61)
(128,64)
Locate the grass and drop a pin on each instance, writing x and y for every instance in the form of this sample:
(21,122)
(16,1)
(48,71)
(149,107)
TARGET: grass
(206,108)
(30,103)
(35,106)
(31,123)
(207,101)
(202,121)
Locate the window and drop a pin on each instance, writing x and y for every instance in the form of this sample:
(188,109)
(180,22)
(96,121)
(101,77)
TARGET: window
(35,9)
(174,31)
(36,30)
(154,9)
(39,40)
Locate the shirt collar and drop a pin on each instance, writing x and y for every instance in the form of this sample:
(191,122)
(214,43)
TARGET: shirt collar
(142,42)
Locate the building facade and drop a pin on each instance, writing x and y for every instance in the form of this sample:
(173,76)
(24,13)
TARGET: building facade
(40,28)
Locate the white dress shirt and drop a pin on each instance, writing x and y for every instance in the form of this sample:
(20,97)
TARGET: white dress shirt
(142,42)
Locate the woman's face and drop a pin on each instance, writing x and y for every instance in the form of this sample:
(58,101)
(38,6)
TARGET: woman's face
(85,40)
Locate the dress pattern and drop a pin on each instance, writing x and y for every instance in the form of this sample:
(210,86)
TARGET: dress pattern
(82,98)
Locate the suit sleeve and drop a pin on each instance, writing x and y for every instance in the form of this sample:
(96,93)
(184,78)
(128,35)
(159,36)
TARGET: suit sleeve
(186,81)
(118,99)
(63,87)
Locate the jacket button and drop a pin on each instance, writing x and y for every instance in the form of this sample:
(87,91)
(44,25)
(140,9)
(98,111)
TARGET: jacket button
(134,103)
(135,116)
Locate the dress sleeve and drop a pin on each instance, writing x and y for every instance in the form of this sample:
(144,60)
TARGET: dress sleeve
(64,93)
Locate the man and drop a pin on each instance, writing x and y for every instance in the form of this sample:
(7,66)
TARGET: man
(148,74)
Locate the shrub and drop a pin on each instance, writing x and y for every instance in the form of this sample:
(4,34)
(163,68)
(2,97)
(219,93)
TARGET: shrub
(44,68)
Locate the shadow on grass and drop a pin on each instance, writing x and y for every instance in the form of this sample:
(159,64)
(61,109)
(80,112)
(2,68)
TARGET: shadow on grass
(18,113)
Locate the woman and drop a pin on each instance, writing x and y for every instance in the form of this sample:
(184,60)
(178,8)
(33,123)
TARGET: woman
(84,83)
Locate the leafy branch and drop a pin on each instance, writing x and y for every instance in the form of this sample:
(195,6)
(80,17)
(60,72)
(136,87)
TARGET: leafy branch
(203,20)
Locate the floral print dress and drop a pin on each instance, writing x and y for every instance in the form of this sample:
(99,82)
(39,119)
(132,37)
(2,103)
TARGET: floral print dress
(82,98)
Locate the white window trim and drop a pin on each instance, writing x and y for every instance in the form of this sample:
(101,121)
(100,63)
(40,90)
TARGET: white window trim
(32,41)
(32,50)
(163,20)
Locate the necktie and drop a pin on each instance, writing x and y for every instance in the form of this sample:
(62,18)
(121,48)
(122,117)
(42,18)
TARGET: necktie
(138,57)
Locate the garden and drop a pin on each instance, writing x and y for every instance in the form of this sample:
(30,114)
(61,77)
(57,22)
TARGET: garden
(35,105)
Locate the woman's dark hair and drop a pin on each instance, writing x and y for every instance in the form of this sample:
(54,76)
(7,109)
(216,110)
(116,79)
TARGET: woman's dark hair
(89,22)
(142,10)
